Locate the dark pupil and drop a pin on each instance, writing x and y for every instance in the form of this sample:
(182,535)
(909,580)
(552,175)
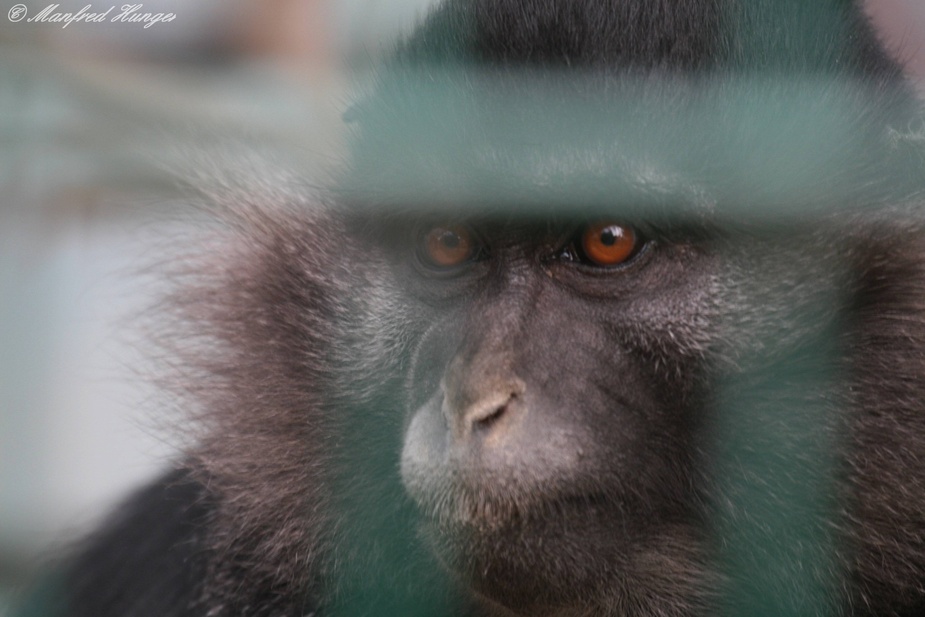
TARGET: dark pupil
(608,236)
(449,239)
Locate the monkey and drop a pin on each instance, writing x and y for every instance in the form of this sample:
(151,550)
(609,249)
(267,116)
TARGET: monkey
(615,309)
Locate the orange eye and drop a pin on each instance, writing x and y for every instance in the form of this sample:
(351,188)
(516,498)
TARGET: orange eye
(446,246)
(607,243)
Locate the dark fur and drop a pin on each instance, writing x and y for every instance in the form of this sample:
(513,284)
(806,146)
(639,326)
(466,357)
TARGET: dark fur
(746,409)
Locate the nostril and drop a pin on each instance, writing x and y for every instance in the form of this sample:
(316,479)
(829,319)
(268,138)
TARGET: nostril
(485,417)
(493,411)
(486,422)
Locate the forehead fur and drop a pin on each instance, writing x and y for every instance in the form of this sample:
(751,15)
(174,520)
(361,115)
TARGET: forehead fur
(826,35)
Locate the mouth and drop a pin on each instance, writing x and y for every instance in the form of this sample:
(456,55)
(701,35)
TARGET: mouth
(471,512)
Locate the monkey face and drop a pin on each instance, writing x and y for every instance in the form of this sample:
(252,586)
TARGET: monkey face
(614,287)
(548,404)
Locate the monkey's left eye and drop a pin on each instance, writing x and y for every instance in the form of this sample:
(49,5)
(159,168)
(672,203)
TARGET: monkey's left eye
(447,246)
(606,243)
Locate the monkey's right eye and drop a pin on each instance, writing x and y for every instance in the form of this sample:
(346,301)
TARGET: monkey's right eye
(447,246)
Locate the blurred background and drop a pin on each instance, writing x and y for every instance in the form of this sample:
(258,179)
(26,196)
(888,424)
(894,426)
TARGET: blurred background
(92,117)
